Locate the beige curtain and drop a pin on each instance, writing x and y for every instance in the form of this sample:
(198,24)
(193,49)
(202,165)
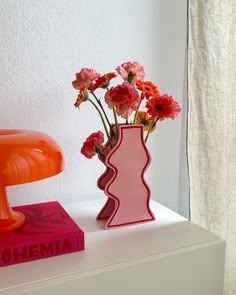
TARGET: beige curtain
(212,123)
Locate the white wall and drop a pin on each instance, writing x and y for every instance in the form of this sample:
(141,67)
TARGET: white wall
(44,42)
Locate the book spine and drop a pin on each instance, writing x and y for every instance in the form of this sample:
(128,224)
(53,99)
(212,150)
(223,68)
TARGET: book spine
(41,249)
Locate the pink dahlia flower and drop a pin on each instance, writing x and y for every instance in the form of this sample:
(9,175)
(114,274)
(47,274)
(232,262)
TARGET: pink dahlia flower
(124,98)
(131,71)
(86,77)
(93,144)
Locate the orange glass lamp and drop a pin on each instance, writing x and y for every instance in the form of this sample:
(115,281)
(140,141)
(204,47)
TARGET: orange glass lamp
(25,156)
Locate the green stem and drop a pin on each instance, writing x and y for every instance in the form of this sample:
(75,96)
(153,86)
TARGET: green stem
(154,121)
(103,121)
(116,123)
(104,113)
(100,104)
(100,152)
(136,112)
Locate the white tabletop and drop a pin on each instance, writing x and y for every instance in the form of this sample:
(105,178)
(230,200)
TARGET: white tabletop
(106,249)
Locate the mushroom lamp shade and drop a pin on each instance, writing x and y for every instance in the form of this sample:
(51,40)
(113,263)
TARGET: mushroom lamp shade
(25,156)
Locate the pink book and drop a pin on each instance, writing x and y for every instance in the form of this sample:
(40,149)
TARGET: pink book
(48,231)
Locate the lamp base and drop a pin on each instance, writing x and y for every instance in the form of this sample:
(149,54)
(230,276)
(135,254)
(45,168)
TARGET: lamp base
(12,222)
(9,219)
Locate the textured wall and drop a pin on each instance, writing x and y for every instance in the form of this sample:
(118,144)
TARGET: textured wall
(43,43)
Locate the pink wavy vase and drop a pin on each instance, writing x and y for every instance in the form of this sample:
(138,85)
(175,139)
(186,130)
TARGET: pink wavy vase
(104,179)
(123,181)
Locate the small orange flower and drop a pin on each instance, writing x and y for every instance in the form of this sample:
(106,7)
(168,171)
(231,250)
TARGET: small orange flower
(83,96)
(148,89)
(103,81)
(145,119)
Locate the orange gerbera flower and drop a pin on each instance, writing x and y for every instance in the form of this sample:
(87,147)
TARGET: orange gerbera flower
(103,81)
(83,96)
(163,106)
(148,89)
(145,119)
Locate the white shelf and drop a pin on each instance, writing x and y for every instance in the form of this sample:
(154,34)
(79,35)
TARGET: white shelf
(169,256)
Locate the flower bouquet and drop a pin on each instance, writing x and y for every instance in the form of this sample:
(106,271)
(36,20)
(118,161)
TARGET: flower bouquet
(124,100)
(140,105)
